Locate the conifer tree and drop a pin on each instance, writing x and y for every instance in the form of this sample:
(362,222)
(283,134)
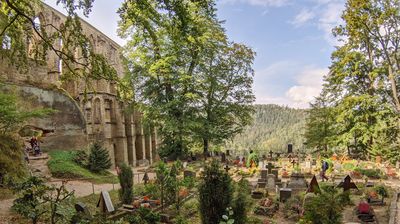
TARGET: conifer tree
(215,193)
(99,159)
(126,181)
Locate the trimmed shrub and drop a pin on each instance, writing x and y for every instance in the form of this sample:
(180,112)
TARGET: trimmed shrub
(241,202)
(126,181)
(215,193)
(99,159)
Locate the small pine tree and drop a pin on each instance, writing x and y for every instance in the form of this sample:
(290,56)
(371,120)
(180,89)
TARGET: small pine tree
(241,202)
(99,159)
(215,193)
(126,181)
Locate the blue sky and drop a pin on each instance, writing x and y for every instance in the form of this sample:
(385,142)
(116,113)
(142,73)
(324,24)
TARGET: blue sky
(292,39)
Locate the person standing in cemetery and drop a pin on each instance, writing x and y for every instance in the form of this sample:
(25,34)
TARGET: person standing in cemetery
(324,168)
(252,161)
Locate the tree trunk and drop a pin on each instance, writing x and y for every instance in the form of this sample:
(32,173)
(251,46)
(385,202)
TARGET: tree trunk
(205,147)
(394,89)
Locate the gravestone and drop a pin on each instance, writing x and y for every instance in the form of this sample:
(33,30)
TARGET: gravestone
(227,168)
(270,154)
(297,181)
(146,178)
(307,166)
(261,165)
(228,153)
(264,174)
(188,173)
(347,184)
(184,165)
(223,158)
(289,148)
(313,187)
(275,172)
(105,204)
(269,167)
(271,181)
(285,194)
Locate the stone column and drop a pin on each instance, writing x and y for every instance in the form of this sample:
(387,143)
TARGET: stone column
(121,152)
(148,146)
(154,145)
(130,138)
(139,141)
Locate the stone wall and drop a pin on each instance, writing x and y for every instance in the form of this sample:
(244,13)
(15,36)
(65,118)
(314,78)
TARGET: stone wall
(97,115)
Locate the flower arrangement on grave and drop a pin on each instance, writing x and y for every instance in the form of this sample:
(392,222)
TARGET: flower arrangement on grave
(252,160)
(266,207)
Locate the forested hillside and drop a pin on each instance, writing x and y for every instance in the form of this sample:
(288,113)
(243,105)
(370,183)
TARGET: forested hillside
(272,129)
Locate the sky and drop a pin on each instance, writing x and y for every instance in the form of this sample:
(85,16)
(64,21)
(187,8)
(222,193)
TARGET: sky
(292,39)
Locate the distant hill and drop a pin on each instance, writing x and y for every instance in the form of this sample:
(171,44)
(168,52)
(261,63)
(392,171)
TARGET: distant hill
(273,128)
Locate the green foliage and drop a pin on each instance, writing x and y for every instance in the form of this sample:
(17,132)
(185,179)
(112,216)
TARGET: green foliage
(12,166)
(99,159)
(371,173)
(189,80)
(62,165)
(22,20)
(273,128)
(227,218)
(143,216)
(214,181)
(81,158)
(324,208)
(126,181)
(382,191)
(12,115)
(241,202)
(36,199)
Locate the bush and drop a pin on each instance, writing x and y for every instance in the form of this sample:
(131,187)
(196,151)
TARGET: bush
(143,216)
(12,165)
(126,181)
(81,158)
(371,173)
(99,159)
(215,193)
(241,202)
(324,208)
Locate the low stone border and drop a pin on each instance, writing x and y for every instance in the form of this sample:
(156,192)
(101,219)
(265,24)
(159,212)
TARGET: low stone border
(393,209)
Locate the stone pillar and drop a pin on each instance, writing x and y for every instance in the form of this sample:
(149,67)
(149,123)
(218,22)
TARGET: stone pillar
(121,152)
(148,146)
(130,138)
(154,145)
(139,141)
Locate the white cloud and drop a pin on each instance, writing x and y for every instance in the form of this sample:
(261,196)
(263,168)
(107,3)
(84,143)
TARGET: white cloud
(272,3)
(309,85)
(303,17)
(325,14)
(304,84)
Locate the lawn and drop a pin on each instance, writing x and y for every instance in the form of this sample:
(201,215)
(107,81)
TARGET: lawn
(62,165)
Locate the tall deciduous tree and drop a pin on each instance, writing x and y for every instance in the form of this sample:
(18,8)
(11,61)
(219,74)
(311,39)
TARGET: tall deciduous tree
(225,90)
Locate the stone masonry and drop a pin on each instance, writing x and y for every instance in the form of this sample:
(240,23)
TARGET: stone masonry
(105,117)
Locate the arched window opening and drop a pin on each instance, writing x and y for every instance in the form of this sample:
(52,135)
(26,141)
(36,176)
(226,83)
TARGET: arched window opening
(97,111)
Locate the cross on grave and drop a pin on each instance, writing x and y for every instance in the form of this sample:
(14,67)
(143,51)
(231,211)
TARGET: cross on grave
(293,162)
(227,168)
(145,178)
(269,167)
(270,154)
(347,184)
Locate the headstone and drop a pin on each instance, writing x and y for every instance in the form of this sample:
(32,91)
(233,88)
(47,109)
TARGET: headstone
(289,148)
(105,203)
(297,181)
(184,165)
(269,167)
(261,165)
(264,174)
(227,168)
(146,178)
(228,153)
(307,166)
(223,158)
(285,194)
(270,154)
(347,184)
(82,208)
(313,187)
(188,173)
(271,181)
(275,172)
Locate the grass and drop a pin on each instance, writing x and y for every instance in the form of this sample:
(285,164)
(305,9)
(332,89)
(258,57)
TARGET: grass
(62,165)
(6,193)
(91,200)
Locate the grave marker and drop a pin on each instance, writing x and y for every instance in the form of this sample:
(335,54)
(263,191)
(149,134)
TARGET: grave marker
(105,204)
(271,181)
(347,184)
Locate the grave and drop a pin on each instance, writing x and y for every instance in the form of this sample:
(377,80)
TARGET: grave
(223,158)
(313,187)
(105,204)
(285,194)
(297,182)
(347,184)
(271,181)
(188,173)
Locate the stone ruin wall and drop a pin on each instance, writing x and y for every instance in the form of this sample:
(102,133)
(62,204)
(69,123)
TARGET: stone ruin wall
(104,116)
